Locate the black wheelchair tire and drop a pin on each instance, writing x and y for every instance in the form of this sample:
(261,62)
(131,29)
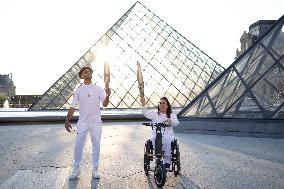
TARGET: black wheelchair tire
(177,167)
(146,164)
(160,175)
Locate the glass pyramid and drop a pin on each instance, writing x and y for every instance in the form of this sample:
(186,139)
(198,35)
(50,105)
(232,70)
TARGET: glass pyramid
(252,87)
(171,65)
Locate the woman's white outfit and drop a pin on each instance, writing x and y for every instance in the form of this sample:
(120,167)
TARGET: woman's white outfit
(168,133)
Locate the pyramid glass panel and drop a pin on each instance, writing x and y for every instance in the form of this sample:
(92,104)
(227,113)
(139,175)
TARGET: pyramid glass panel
(252,87)
(245,108)
(194,109)
(279,113)
(206,108)
(171,65)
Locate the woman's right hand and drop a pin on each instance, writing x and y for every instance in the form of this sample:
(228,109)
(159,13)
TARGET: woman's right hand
(142,100)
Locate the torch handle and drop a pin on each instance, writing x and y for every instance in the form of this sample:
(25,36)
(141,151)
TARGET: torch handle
(106,75)
(141,92)
(107,85)
(140,80)
(141,89)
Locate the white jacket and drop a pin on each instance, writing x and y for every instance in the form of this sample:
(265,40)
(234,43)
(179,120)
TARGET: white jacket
(160,118)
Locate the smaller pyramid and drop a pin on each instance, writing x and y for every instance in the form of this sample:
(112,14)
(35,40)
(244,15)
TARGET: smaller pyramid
(252,87)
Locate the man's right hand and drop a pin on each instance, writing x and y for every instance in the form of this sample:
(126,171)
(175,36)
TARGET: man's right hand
(68,126)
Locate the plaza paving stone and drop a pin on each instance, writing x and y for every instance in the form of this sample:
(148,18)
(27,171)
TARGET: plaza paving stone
(40,156)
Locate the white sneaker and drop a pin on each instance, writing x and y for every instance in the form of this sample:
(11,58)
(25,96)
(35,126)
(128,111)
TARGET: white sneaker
(75,173)
(96,174)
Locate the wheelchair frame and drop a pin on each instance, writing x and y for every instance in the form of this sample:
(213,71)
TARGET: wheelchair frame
(150,155)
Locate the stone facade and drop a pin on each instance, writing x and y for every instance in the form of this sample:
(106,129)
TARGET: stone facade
(256,30)
(7,87)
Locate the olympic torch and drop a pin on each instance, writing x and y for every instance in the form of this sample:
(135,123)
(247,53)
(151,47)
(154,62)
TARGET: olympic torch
(106,75)
(140,80)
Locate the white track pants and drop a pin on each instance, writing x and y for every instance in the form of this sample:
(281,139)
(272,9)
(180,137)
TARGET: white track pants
(167,139)
(95,130)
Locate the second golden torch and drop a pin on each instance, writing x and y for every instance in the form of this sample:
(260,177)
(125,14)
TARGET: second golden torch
(106,75)
(140,80)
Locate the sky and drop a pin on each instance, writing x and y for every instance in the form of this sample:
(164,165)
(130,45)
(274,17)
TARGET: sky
(41,39)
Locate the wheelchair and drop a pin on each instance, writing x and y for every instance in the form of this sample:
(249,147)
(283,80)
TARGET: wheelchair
(160,172)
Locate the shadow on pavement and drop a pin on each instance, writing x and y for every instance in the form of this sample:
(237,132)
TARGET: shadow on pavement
(181,181)
(151,181)
(95,183)
(72,184)
(186,183)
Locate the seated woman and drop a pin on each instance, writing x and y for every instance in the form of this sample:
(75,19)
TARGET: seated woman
(163,115)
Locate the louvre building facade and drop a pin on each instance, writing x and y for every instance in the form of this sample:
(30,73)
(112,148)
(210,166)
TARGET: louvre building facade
(252,87)
(171,65)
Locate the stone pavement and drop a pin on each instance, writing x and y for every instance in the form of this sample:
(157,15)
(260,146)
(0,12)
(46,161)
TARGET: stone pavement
(40,156)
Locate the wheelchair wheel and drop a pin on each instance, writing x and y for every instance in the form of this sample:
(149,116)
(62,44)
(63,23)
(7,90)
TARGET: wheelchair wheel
(146,160)
(177,163)
(146,164)
(149,149)
(160,175)
(175,157)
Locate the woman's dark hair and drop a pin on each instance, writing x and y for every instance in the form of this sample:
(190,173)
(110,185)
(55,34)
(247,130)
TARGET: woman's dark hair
(169,110)
(83,69)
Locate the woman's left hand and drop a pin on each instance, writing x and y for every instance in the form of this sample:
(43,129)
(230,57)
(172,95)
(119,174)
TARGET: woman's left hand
(168,122)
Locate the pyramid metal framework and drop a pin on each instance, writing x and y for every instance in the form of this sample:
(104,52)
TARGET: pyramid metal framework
(252,87)
(172,66)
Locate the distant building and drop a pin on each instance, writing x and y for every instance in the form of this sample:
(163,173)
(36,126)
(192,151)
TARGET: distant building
(8,90)
(256,30)
(23,101)
(7,87)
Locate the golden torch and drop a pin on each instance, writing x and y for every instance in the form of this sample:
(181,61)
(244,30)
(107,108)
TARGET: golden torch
(140,80)
(106,75)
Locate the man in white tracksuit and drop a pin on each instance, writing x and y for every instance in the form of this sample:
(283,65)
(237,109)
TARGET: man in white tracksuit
(88,96)
(163,115)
